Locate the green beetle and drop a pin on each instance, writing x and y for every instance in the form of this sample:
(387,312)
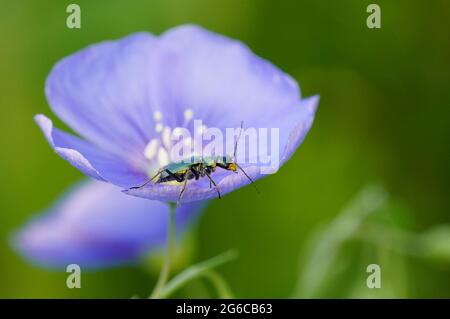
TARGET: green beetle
(197,167)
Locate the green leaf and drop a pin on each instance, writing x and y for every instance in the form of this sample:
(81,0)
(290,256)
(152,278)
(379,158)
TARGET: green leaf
(202,269)
(325,244)
(434,244)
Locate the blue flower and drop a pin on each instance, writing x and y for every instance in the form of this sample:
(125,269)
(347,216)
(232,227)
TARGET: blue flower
(126,98)
(95,225)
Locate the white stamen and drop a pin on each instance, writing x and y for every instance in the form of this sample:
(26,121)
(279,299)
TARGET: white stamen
(188,141)
(157,116)
(188,114)
(165,137)
(163,157)
(177,131)
(151,148)
(159,127)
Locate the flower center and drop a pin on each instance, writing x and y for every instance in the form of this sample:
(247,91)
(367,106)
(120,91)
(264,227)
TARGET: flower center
(158,149)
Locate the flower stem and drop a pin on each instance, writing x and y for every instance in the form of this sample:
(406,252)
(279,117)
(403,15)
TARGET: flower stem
(165,270)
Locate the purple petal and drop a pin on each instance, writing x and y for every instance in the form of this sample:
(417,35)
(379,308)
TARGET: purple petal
(104,92)
(298,125)
(89,159)
(95,225)
(220,79)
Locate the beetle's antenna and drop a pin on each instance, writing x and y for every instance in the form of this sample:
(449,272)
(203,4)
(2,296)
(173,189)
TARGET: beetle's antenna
(237,141)
(249,178)
(202,144)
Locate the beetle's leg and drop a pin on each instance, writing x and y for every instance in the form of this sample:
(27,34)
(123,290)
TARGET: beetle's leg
(209,170)
(215,185)
(194,171)
(182,191)
(177,178)
(151,179)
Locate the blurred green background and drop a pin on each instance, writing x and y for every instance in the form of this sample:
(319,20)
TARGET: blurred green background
(369,185)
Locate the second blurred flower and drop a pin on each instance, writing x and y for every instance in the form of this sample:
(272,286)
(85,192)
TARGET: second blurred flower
(95,225)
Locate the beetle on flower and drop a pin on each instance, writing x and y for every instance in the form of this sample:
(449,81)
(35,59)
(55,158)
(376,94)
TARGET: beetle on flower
(127,98)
